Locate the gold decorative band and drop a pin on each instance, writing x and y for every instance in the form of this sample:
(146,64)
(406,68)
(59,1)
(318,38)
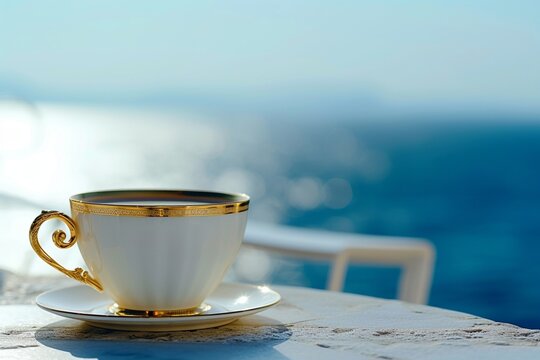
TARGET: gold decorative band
(200,203)
(117,310)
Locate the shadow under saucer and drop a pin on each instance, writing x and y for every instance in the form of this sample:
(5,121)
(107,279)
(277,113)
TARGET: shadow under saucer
(254,336)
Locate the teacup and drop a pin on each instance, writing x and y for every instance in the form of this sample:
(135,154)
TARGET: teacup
(155,251)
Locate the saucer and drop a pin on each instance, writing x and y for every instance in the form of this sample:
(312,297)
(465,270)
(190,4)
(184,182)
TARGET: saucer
(229,302)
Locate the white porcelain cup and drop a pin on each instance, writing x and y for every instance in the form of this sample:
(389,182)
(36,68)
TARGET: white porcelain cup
(155,251)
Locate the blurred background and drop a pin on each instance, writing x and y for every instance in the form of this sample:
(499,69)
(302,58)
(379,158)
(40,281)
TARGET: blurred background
(398,118)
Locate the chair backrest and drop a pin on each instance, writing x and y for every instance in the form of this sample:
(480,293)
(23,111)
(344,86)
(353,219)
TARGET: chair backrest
(414,256)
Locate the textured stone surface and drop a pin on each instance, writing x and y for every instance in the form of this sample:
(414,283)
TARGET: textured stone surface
(23,290)
(308,324)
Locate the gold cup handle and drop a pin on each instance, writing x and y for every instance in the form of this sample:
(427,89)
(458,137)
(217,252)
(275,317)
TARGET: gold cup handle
(59,239)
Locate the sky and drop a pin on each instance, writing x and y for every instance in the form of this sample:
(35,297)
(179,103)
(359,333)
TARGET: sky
(482,54)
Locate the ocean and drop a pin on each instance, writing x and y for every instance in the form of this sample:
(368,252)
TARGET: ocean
(471,187)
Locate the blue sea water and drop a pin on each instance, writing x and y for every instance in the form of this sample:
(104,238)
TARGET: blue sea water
(472,188)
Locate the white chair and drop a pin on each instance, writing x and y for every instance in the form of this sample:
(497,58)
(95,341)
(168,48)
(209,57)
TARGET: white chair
(414,256)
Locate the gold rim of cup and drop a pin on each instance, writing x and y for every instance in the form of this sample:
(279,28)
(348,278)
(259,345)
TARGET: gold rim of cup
(201,203)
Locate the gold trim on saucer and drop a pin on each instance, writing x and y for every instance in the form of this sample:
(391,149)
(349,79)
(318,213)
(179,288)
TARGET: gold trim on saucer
(204,203)
(117,310)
